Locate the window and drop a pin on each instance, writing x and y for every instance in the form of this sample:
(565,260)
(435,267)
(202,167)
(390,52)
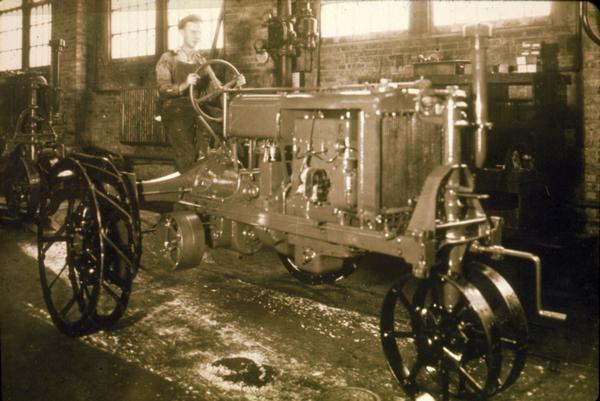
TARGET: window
(208,10)
(346,18)
(14,52)
(11,34)
(133,28)
(465,12)
(40,30)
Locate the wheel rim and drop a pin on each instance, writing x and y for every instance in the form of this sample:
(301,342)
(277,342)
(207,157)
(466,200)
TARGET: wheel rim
(198,102)
(182,239)
(510,317)
(436,350)
(70,254)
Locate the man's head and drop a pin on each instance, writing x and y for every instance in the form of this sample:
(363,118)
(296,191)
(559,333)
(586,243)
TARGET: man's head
(189,27)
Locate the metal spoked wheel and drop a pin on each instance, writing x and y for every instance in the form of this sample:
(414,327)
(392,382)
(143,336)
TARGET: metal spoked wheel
(121,235)
(510,319)
(436,349)
(339,268)
(70,248)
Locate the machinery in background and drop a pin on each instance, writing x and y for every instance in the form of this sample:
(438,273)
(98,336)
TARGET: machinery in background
(292,39)
(322,177)
(32,146)
(531,159)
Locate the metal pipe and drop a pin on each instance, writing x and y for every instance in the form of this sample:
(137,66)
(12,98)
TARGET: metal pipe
(452,155)
(498,250)
(284,63)
(479,34)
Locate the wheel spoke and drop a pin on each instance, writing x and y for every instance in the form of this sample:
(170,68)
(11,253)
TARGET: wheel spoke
(58,275)
(117,249)
(230,84)
(445,376)
(113,294)
(207,97)
(111,203)
(469,379)
(63,312)
(414,371)
(403,334)
(405,302)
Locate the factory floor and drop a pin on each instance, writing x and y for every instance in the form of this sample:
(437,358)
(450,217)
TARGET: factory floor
(243,329)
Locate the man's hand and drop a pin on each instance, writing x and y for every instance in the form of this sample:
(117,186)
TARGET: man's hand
(241,80)
(192,79)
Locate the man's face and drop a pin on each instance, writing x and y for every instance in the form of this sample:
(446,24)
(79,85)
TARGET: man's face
(191,34)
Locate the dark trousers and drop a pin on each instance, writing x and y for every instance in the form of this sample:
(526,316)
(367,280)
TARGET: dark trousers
(179,121)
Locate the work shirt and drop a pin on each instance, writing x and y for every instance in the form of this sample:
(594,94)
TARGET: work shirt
(172,70)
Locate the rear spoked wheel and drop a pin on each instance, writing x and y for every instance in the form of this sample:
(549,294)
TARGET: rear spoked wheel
(121,236)
(70,248)
(443,350)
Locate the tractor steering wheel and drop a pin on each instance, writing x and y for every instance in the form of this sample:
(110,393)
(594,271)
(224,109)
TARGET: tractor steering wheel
(234,83)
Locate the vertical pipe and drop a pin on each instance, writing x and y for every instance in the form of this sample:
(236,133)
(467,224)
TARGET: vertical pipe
(479,35)
(452,157)
(284,63)
(452,134)
(56,46)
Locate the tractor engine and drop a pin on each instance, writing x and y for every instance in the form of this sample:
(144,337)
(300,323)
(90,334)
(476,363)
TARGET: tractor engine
(348,158)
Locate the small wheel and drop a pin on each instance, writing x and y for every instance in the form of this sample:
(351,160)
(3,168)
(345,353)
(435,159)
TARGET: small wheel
(337,268)
(121,235)
(71,249)
(182,238)
(21,185)
(510,319)
(437,349)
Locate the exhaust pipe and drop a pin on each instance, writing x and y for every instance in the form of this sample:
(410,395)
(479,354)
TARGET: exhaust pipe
(479,34)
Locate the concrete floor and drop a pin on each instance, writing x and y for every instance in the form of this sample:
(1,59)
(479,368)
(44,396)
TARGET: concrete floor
(184,330)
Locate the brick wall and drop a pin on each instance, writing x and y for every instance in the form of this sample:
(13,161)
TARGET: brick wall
(591,118)
(69,22)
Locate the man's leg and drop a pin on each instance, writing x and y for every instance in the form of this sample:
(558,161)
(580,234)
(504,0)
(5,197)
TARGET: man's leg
(179,127)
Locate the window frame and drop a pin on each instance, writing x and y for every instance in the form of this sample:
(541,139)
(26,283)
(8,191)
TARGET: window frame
(26,6)
(421,24)
(370,35)
(162,34)
(499,24)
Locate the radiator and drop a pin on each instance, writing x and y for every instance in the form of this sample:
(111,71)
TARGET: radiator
(139,107)
(410,150)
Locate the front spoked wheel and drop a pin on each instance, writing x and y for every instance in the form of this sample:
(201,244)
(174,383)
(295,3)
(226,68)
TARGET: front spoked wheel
(439,344)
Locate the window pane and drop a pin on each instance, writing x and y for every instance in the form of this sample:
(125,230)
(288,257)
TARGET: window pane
(208,10)
(39,35)
(465,12)
(8,4)
(133,28)
(346,18)
(11,39)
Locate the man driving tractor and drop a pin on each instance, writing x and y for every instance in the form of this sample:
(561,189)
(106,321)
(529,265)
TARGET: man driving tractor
(175,73)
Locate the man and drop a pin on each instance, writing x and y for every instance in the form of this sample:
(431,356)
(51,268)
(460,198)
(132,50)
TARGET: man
(175,73)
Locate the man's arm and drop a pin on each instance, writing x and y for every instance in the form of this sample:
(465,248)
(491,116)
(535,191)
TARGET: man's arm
(164,79)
